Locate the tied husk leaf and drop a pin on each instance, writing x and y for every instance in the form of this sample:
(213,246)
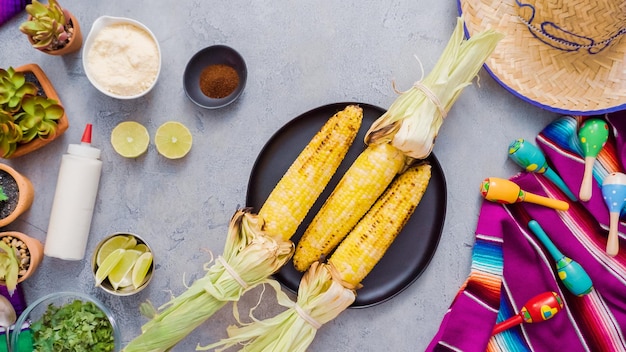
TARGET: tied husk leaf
(410,125)
(251,254)
(412,122)
(321,296)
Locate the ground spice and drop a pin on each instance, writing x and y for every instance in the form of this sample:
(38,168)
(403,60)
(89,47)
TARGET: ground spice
(218,81)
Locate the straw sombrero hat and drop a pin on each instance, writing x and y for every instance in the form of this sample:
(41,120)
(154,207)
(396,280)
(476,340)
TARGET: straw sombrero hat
(567,56)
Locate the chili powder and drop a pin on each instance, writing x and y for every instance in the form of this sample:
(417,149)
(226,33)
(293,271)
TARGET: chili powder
(218,81)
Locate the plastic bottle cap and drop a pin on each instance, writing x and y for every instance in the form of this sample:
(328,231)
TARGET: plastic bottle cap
(84,149)
(87,134)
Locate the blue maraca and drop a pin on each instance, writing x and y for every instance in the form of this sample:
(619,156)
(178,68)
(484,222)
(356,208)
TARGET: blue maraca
(614,194)
(573,276)
(532,159)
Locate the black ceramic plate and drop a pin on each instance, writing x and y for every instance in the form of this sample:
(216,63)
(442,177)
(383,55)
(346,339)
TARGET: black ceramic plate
(412,250)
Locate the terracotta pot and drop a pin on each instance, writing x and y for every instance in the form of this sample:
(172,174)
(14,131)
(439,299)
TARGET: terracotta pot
(35,249)
(50,92)
(26,194)
(73,45)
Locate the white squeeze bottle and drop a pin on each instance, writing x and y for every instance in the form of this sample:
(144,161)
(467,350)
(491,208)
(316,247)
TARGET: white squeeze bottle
(74,200)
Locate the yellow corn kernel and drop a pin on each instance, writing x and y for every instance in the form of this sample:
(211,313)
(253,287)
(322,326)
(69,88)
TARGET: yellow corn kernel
(366,244)
(362,184)
(308,175)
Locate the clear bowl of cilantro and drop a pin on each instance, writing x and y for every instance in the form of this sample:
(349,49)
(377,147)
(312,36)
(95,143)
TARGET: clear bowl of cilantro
(66,321)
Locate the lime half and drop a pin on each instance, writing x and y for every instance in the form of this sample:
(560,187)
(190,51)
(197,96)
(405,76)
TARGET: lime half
(173,140)
(130,139)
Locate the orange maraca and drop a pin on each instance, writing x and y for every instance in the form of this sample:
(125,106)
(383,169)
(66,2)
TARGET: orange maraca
(504,191)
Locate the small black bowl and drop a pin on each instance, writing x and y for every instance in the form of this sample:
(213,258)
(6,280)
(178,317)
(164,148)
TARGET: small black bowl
(212,55)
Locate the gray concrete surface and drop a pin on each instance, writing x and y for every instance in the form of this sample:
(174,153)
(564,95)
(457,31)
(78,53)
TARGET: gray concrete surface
(300,55)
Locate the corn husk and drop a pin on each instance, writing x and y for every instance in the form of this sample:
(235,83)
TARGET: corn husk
(411,125)
(251,254)
(413,121)
(321,298)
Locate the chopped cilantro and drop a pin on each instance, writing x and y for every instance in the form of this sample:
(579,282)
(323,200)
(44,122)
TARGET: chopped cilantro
(77,326)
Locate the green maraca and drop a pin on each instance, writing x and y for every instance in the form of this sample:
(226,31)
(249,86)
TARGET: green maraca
(593,134)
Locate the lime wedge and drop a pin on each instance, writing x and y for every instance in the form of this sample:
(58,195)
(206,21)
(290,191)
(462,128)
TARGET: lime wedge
(123,268)
(141,268)
(108,264)
(130,139)
(173,140)
(113,243)
(142,248)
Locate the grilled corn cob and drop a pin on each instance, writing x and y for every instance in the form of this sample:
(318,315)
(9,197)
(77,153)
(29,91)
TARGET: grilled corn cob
(358,189)
(306,178)
(408,130)
(366,244)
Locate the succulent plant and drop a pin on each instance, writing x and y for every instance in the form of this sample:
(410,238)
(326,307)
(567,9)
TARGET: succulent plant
(48,25)
(3,196)
(9,266)
(38,117)
(10,134)
(24,113)
(13,88)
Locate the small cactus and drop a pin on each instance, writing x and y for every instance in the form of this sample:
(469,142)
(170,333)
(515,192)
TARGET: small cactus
(48,26)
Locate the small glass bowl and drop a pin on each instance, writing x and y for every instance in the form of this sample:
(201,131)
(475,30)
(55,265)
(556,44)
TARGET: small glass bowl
(213,55)
(36,310)
(106,285)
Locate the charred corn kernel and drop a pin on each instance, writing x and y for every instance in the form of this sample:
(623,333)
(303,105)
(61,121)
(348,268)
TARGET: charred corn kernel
(362,184)
(366,244)
(308,175)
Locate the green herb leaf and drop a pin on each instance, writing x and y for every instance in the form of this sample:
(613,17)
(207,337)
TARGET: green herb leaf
(77,326)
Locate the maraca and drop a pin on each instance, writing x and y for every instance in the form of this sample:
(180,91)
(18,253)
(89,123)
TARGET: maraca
(592,135)
(504,191)
(614,194)
(539,308)
(573,276)
(532,159)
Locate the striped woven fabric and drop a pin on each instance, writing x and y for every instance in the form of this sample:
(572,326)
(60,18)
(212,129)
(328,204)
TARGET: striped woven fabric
(10,8)
(510,265)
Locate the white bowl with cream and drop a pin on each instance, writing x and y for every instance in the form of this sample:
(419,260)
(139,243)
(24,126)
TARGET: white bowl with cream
(121,57)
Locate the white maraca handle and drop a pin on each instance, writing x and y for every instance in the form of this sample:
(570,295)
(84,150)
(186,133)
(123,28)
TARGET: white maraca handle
(614,194)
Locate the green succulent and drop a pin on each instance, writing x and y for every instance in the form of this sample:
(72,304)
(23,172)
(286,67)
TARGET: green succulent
(3,196)
(10,134)
(9,266)
(48,26)
(13,88)
(38,117)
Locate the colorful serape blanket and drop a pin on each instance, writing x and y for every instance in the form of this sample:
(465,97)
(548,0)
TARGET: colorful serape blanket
(10,8)
(510,265)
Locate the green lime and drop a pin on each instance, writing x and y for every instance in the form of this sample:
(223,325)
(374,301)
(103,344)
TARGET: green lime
(108,264)
(173,140)
(142,248)
(117,276)
(130,139)
(141,268)
(113,243)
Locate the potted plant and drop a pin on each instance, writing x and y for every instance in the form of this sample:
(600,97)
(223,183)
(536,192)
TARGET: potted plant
(31,115)
(51,28)
(20,255)
(18,194)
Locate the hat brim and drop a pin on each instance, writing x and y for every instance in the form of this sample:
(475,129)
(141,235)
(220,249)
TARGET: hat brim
(566,82)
